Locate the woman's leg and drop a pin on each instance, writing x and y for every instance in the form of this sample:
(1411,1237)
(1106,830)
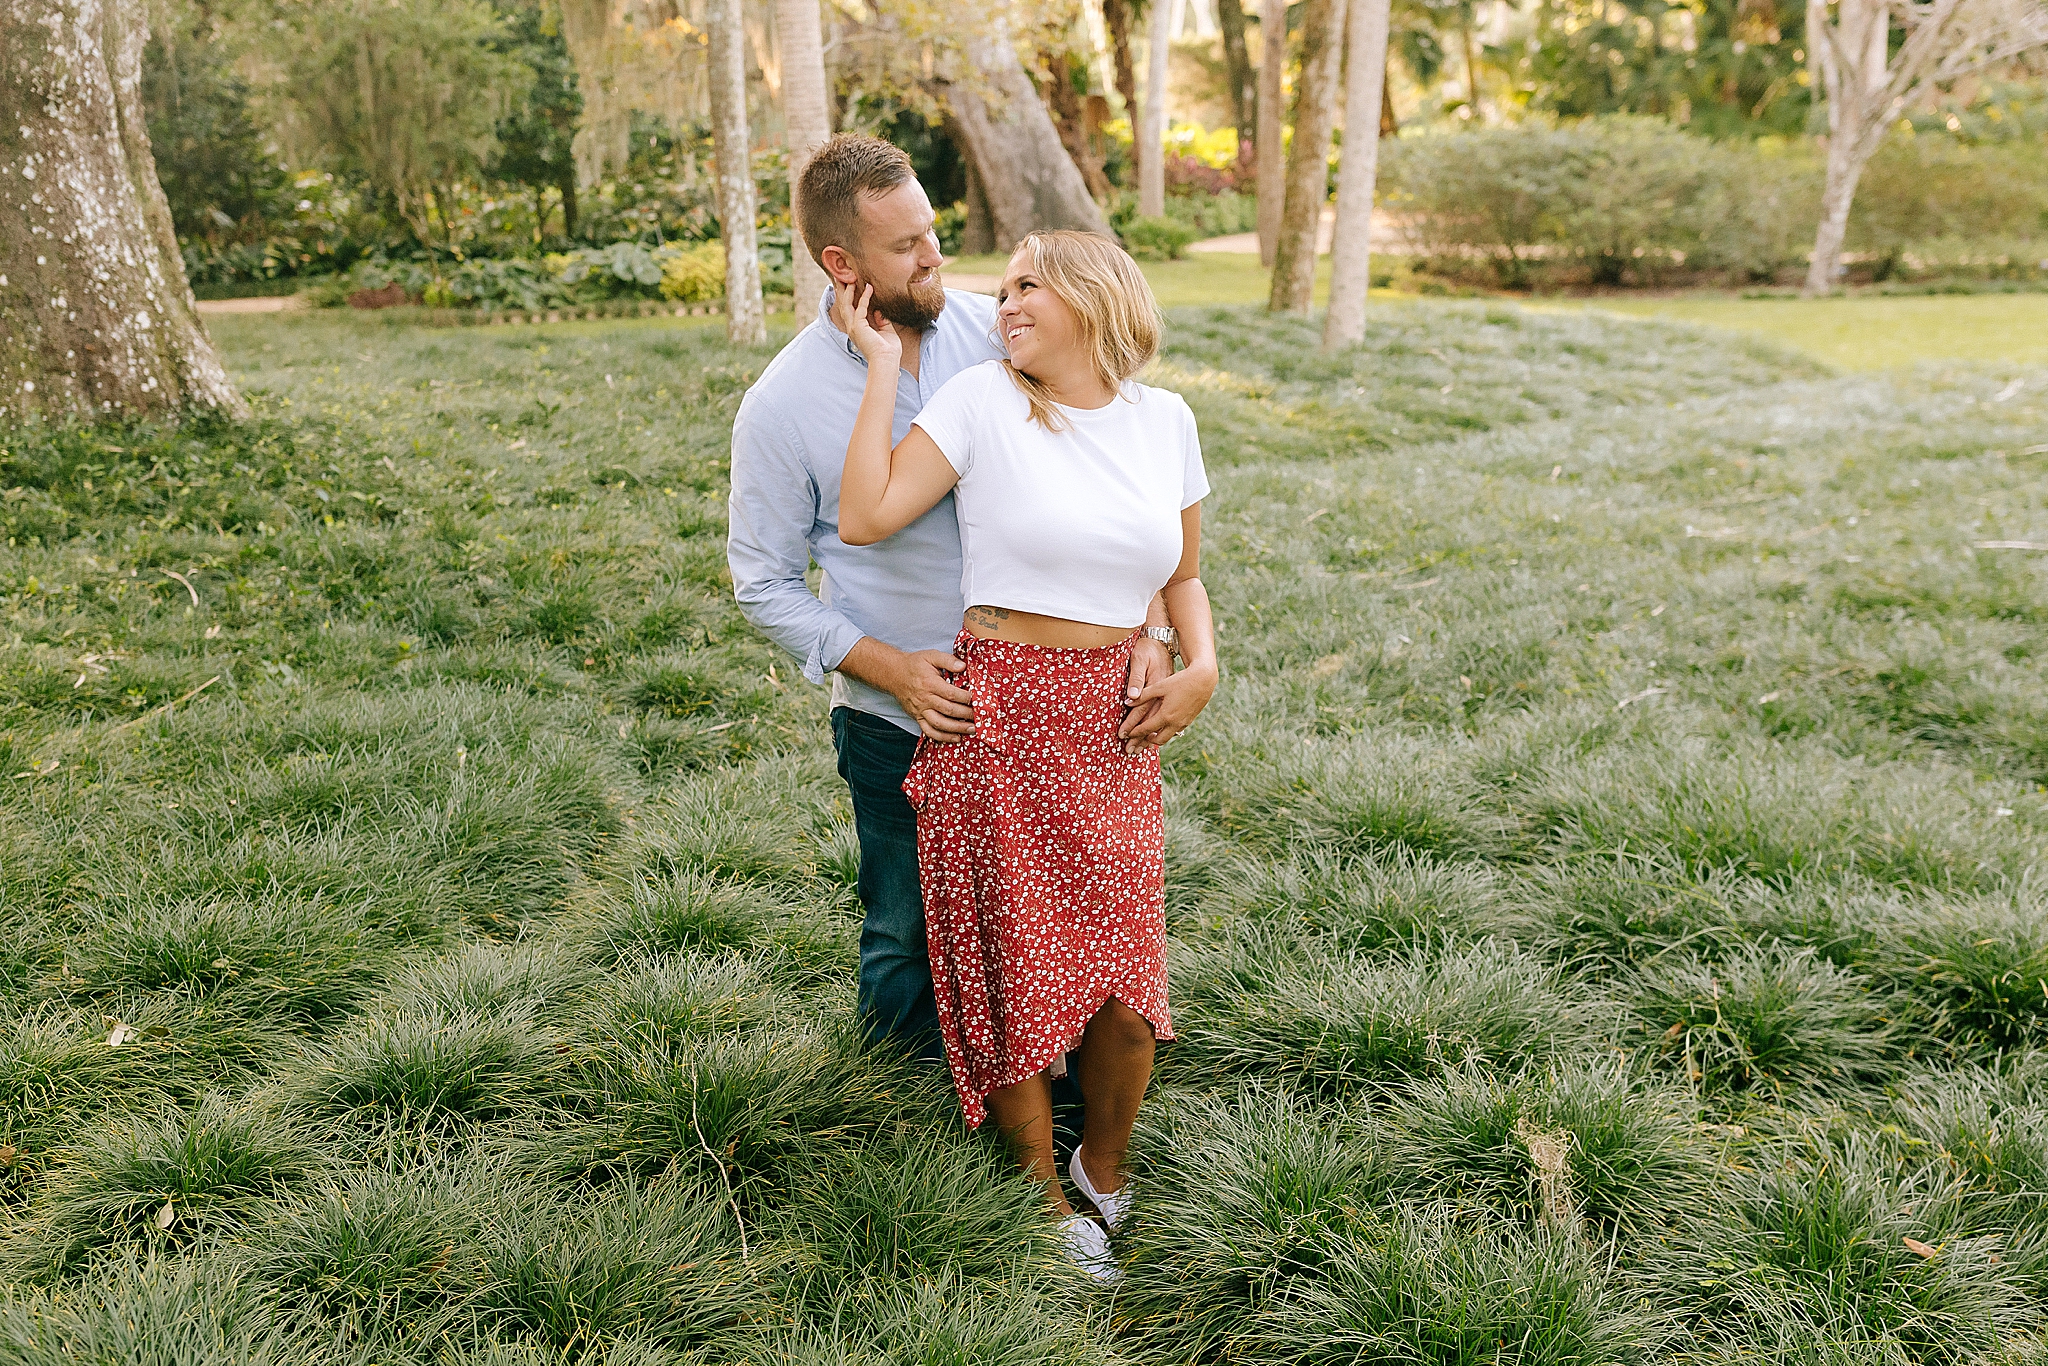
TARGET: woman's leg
(1114,1065)
(1023,1113)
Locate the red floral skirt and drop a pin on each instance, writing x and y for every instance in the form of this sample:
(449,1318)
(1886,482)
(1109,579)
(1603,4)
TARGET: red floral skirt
(1041,851)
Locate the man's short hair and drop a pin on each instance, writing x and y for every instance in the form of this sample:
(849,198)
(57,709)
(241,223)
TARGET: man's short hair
(829,191)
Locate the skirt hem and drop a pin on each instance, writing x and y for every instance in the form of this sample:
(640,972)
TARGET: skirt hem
(977,1112)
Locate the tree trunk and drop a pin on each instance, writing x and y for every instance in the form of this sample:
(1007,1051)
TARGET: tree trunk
(1308,161)
(1026,175)
(1471,64)
(1070,120)
(744,323)
(1847,155)
(96,318)
(1271,144)
(1390,126)
(1365,61)
(1237,65)
(978,233)
(1117,17)
(807,115)
(1856,73)
(1150,147)
(568,188)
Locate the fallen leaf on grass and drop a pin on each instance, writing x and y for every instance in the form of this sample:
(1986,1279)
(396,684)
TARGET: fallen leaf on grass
(166,1216)
(8,1154)
(1918,1248)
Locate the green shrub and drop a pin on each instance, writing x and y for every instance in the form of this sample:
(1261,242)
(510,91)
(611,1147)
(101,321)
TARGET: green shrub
(972,1219)
(1764,1016)
(1814,1257)
(1422,1287)
(1241,1197)
(301,958)
(381,1251)
(753,1107)
(1633,200)
(663,1262)
(666,1002)
(56,1068)
(696,274)
(1584,1140)
(1926,188)
(1157,239)
(687,910)
(141,1310)
(427,1068)
(170,1177)
(1981,964)
(1362,903)
(1258,1008)
(1619,199)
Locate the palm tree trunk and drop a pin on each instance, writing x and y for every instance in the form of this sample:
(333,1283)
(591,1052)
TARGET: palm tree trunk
(96,317)
(745,324)
(1308,161)
(1270,145)
(808,118)
(1351,243)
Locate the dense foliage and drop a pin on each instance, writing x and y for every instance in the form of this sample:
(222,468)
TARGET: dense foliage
(1604,898)
(1686,125)
(1636,201)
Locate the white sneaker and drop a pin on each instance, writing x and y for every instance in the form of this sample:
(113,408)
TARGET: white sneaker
(1113,1207)
(1087,1246)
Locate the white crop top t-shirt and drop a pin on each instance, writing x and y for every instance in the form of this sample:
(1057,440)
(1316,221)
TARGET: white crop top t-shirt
(1082,523)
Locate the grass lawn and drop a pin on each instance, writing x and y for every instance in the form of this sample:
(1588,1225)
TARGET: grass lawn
(1606,898)
(1202,277)
(1867,332)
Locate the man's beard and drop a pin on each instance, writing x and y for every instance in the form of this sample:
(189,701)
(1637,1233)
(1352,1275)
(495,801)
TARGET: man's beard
(916,306)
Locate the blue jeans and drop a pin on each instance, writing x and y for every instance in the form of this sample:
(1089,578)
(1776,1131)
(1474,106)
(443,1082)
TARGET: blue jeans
(895,1002)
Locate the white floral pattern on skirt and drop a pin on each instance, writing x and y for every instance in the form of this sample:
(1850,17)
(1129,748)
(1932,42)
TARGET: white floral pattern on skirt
(1041,850)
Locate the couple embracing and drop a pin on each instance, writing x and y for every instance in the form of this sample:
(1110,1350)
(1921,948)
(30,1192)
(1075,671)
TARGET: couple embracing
(1009,529)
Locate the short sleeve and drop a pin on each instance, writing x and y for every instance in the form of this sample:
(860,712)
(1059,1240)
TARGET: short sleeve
(949,419)
(1194,480)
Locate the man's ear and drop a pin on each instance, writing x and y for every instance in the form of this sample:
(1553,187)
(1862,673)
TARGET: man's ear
(839,265)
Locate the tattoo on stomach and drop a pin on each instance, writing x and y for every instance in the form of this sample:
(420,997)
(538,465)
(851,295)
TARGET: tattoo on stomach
(988,618)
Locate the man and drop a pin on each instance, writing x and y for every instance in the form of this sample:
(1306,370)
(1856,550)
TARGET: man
(884,619)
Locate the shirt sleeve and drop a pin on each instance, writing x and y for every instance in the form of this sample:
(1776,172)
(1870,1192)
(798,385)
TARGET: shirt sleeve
(1194,486)
(774,505)
(949,418)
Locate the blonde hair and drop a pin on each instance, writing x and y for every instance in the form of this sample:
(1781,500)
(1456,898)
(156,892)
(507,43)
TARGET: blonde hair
(1112,303)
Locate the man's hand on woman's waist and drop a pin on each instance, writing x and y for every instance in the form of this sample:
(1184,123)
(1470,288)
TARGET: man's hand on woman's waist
(920,681)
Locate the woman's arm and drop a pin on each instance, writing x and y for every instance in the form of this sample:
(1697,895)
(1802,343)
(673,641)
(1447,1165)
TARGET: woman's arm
(1182,697)
(883,491)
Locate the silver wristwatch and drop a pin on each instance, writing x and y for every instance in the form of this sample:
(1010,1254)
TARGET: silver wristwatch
(1166,636)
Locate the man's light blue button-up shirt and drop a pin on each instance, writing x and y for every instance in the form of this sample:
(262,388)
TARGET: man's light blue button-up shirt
(788,450)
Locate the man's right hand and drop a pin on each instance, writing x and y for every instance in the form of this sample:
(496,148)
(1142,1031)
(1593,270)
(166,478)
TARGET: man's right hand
(921,681)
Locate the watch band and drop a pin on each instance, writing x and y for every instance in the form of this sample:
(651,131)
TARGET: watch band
(1167,636)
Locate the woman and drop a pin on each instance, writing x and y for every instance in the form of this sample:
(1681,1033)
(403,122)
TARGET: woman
(1039,839)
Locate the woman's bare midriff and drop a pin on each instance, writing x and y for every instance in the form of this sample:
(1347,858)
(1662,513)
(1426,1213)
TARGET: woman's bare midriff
(1030,628)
